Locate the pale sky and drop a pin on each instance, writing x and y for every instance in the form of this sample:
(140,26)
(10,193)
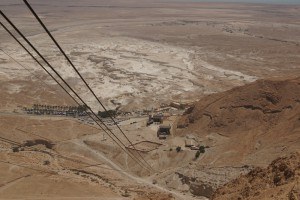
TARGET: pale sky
(248,1)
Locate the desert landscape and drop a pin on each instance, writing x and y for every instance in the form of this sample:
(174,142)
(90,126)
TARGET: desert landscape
(205,99)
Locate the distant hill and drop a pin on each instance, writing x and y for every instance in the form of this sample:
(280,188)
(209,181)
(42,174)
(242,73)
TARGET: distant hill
(254,123)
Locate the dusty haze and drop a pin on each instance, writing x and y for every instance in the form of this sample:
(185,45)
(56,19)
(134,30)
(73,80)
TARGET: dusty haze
(144,55)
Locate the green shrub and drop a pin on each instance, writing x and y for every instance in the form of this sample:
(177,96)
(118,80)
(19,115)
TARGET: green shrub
(109,113)
(178,149)
(197,154)
(46,162)
(202,149)
(277,180)
(15,149)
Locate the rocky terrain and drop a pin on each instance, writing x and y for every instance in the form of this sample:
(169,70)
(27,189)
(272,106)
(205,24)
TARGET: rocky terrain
(280,180)
(263,106)
(245,127)
(238,63)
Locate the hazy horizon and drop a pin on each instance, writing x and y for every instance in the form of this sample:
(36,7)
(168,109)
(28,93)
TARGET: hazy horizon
(248,1)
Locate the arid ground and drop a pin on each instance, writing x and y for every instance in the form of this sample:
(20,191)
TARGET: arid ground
(143,55)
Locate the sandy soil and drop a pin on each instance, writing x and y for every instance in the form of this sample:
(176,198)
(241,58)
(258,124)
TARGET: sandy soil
(137,55)
(174,52)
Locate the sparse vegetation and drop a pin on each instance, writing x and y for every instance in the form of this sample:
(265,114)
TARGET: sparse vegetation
(197,154)
(277,180)
(189,59)
(38,109)
(202,149)
(106,114)
(46,162)
(30,143)
(15,149)
(126,194)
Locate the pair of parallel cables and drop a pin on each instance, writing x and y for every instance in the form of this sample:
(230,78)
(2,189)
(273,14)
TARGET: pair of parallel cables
(143,163)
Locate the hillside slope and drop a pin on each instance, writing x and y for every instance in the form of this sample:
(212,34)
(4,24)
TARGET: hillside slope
(251,124)
(281,180)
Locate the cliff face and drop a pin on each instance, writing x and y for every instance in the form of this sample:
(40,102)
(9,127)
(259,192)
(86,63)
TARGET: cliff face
(281,179)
